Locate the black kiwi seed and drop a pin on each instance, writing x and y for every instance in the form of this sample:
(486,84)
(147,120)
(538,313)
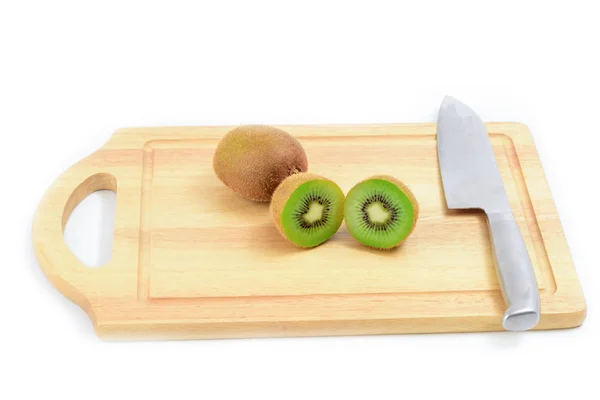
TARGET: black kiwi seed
(395,212)
(305,206)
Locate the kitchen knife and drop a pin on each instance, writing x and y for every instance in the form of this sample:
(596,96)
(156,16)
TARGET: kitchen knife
(471,180)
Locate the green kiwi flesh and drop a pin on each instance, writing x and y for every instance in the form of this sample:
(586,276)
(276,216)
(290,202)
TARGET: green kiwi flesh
(380,212)
(308,209)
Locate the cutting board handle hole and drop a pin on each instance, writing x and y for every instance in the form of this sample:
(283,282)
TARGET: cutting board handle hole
(89,220)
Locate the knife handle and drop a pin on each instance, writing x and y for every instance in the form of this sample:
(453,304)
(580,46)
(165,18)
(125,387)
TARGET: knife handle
(515,272)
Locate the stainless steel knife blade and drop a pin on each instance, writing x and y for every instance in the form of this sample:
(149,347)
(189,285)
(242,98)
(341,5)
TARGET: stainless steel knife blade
(469,171)
(471,179)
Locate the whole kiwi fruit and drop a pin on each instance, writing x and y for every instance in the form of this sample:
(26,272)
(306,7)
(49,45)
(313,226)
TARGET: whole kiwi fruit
(308,209)
(381,212)
(253,160)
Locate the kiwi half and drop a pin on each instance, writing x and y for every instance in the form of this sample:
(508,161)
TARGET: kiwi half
(253,160)
(308,209)
(381,212)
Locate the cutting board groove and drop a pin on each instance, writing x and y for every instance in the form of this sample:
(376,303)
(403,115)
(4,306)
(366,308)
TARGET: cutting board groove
(191,259)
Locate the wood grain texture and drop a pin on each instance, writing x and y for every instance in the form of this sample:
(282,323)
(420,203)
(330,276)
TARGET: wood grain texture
(191,259)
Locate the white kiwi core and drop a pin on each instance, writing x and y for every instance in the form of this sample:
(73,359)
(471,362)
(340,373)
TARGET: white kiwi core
(377,213)
(314,213)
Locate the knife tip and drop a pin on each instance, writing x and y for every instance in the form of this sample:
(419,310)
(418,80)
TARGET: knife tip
(448,100)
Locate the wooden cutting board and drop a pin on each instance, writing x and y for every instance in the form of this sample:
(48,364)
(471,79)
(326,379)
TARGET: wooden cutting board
(191,259)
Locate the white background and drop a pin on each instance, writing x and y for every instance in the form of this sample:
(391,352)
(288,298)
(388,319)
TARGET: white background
(72,72)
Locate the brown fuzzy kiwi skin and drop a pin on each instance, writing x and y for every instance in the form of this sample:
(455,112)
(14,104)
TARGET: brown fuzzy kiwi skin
(283,193)
(411,197)
(253,160)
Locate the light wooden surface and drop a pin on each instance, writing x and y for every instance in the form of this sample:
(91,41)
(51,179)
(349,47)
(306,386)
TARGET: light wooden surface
(191,259)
